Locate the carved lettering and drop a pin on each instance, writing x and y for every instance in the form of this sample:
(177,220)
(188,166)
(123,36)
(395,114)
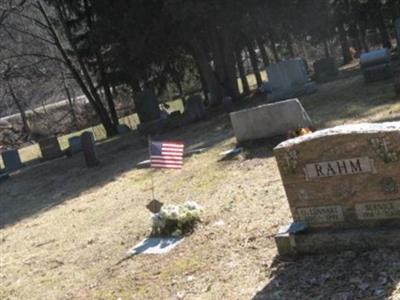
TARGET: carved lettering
(338,168)
(356,167)
(378,210)
(320,214)
(342,167)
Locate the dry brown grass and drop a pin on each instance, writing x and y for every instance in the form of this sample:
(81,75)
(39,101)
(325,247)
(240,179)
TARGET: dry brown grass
(65,228)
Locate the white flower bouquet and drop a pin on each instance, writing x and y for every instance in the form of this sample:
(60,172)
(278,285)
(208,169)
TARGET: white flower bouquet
(176,220)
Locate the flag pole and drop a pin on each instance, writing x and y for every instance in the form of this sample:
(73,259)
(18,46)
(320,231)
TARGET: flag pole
(151,175)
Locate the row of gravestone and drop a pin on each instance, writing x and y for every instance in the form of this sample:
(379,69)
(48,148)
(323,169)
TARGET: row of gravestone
(50,149)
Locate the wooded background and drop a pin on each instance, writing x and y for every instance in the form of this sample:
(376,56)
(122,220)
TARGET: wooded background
(109,51)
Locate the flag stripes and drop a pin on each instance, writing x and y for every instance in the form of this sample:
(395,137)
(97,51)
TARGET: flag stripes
(166,154)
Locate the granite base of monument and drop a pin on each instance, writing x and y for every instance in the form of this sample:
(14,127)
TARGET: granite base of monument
(4,176)
(292,240)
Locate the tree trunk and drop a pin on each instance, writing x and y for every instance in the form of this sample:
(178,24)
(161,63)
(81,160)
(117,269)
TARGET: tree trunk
(107,90)
(25,125)
(254,61)
(230,79)
(242,73)
(385,39)
(273,47)
(363,38)
(344,43)
(289,42)
(87,87)
(263,52)
(326,48)
(210,82)
(71,107)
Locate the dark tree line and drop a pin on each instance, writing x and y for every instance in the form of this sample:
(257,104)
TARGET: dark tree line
(157,44)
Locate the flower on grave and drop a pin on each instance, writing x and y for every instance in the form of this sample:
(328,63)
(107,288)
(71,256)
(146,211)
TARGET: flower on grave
(176,220)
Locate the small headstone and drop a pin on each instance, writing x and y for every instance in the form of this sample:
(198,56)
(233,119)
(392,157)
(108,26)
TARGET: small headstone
(12,161)
(269,120)
(75,145)
(325,69)
(288,78)
(89,149)
(50,148)
(376,65)
(227,104)
(147,106)
(194,108)
(345,177)
(122,129)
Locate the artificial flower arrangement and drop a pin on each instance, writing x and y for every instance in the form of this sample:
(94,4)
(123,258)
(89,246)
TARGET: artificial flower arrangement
(176,220)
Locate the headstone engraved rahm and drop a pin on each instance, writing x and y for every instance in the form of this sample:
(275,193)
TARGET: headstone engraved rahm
(344,178)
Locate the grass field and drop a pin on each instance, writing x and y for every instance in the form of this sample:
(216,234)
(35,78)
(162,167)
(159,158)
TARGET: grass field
(64,228)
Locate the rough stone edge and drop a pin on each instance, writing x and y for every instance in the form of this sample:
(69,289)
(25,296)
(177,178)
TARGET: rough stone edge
(363,128)
(300,242)
(232,114)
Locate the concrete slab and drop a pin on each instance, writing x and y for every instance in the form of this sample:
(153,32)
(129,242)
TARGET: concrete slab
(155,246)
(269,120)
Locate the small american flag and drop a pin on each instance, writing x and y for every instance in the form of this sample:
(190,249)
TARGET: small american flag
(167,155)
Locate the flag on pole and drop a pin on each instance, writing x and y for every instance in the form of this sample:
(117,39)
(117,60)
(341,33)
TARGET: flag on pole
(167,154)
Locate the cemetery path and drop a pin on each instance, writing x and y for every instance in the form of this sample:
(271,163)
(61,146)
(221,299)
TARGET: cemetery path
(65,228)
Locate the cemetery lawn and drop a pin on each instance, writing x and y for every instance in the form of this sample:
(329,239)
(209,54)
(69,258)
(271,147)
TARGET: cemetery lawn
(65,229)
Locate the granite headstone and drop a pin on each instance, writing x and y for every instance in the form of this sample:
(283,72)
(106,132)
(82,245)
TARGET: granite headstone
(89,149)
(147,106)
(269,120)
(12,161)
(50,148)
(347,176)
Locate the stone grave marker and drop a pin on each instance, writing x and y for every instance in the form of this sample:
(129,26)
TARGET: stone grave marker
(12,161)
(50,148)
(75,145)
(147,106)
(194,108)
(269,120)
(325,69)
(289,79)
(376,65)
(89,149)
(347,177)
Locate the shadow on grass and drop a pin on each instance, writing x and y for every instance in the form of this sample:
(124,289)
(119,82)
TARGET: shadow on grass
(40,187)
(346,276)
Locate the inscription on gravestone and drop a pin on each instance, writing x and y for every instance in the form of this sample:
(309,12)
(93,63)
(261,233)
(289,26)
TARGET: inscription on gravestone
(378,210)
(347,176)
(339,167)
